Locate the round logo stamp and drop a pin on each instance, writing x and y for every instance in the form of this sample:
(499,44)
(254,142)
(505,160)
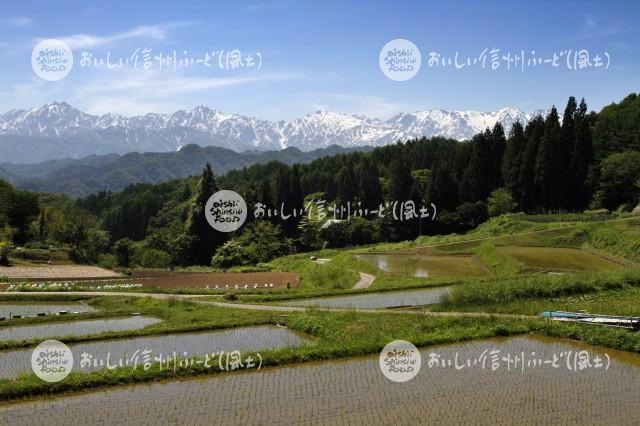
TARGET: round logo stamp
(400,361)
(400,59)
(52,59)
(226,211)
(52,361)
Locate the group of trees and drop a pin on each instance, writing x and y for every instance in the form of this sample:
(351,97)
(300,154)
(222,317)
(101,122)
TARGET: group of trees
(579,161)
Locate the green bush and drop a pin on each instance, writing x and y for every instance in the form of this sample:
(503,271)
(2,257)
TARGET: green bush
(259,242)
(107,261)
(151,258)
(123,251)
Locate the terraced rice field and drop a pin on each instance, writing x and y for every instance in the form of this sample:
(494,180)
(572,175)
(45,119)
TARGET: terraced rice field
(74,328)
(30,309)
(392,299)
(356,392)
(557,259)
(425,266)
(244,339)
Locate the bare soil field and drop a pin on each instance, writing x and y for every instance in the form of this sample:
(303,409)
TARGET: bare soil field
(53,272)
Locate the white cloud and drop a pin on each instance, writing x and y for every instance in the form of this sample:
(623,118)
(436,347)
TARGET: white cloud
(146,32)
(135,92)
(368,105)
(260,7)
(17,21)
(32,88)
(127,107)
(160,84)
(594,29)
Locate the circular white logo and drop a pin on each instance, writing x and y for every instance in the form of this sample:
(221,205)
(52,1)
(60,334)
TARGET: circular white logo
(400,361)
(52,59)
(400,60)
(226,211)
(52,361)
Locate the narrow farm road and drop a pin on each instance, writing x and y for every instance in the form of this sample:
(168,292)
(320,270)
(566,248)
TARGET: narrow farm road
(194,298)
(365,281)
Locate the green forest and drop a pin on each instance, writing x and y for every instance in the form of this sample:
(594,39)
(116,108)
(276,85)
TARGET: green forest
(571,160)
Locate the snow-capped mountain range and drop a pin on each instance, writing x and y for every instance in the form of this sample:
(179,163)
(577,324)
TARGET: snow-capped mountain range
(58,130)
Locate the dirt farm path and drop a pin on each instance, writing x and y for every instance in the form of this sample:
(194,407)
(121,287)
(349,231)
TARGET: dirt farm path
(365,280)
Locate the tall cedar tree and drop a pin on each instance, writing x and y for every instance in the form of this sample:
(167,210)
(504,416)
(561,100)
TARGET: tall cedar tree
(400,181)
(369,191)
(566,188)
(479,178)
(204,240)
(295,201)
(581,159)
(512,160)
(533,133)
(498,146)
(546,179)
(443,190)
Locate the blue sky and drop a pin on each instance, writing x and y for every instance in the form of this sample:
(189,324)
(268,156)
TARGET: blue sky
(318,55)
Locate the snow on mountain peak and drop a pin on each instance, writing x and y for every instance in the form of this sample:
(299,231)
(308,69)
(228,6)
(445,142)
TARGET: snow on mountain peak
(208,126)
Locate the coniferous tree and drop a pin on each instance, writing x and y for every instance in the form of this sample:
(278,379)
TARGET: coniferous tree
(563,157)
(512,160)
(369,191)
(400,181)
(203,239)
(581,159)
(281,191)
(443,190)
(346,185)
(295,201)
(479,176)
(498,146)
(546,179)
(295,188)
(533,134)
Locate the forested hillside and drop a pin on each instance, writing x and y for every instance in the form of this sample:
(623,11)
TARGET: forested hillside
(568,161)
(112,172)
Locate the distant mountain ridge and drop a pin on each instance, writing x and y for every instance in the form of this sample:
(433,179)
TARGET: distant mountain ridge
(112,172)
(58,130)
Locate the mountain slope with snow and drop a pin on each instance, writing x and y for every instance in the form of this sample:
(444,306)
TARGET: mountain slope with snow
(58,130)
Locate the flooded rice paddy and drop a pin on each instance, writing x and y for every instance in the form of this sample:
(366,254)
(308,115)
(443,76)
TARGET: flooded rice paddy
(243,339)
(391,299)
(356,392)
(30,309)
(74,328)
(424,266)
